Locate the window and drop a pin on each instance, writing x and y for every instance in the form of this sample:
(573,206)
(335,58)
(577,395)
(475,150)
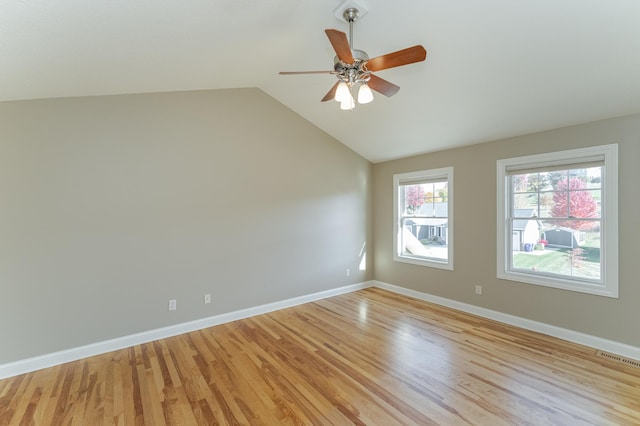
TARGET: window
(557,220)
(423,218)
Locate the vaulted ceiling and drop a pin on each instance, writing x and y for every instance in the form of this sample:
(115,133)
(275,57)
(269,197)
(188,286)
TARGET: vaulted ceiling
(494,68)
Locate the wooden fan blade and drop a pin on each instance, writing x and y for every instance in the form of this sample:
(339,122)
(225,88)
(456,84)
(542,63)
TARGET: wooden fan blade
(382,86)
(306,72)
(396,59)
(340,44)
(331,94)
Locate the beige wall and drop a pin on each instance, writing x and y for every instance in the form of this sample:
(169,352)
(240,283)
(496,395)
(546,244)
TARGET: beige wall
(113,205)
(475,233)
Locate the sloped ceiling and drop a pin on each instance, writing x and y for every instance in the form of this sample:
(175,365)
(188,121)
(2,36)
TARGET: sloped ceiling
(495,68)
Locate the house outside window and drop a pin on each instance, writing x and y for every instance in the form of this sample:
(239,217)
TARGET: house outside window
(423,218)
(557,220)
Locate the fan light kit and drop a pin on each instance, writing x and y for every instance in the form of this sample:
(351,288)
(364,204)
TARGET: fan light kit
(353,68)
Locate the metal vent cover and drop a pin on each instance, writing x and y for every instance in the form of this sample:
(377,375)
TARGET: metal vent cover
(618,358)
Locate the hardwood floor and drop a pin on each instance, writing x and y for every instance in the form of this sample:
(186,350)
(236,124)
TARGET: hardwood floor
(369,357)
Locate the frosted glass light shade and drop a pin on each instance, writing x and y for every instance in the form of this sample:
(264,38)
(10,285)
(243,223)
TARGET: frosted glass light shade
(342,92)
(348,105)
(365,95)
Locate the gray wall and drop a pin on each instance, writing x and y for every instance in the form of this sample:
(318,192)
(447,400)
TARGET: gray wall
(113,205)
(475,234)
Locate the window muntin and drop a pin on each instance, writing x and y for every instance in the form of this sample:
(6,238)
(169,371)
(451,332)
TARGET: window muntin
(423,222)
(557,220)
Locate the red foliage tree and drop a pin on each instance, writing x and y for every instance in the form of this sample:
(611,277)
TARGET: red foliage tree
(579,203)
(414,197)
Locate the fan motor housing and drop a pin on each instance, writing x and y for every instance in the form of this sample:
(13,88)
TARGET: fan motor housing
(359,56)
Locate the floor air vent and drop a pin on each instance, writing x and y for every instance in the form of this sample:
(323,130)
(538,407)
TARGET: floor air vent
(614,357)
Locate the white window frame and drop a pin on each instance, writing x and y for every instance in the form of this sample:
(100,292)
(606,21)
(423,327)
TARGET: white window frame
(445,174)
(609,218)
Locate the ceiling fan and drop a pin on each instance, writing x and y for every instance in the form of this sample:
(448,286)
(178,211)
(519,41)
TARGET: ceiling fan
(353,67)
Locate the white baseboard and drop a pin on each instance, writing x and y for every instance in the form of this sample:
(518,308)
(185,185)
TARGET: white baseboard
(73,354)
(49,360)
(622,349)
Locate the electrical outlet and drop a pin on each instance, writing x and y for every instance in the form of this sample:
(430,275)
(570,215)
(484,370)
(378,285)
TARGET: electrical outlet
(207,298)
(478,289)
(172,305)
(348,272)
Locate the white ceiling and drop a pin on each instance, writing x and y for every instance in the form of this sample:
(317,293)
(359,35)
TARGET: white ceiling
(494,68)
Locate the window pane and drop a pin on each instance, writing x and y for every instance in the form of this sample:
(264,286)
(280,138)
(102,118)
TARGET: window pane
(594,175)
(532,182)
(519,183)
(546,204)
(436,192)
(544,182)
(557,176)
(525,234)
(537,182)
(580,174)
(569,248)
(425,237)
(414,197)
(584,204)
(597,195)
(426,199)
(559,204)
(525,201)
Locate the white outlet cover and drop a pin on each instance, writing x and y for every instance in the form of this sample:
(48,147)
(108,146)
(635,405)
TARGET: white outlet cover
(339,11)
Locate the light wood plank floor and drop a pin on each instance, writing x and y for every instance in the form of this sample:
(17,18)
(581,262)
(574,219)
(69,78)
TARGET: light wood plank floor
(369,357)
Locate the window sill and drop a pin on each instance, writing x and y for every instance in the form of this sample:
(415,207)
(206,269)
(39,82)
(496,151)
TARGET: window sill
(421,261)
(580,287)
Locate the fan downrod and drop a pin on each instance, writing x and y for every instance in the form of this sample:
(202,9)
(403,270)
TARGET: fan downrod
(350,15)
